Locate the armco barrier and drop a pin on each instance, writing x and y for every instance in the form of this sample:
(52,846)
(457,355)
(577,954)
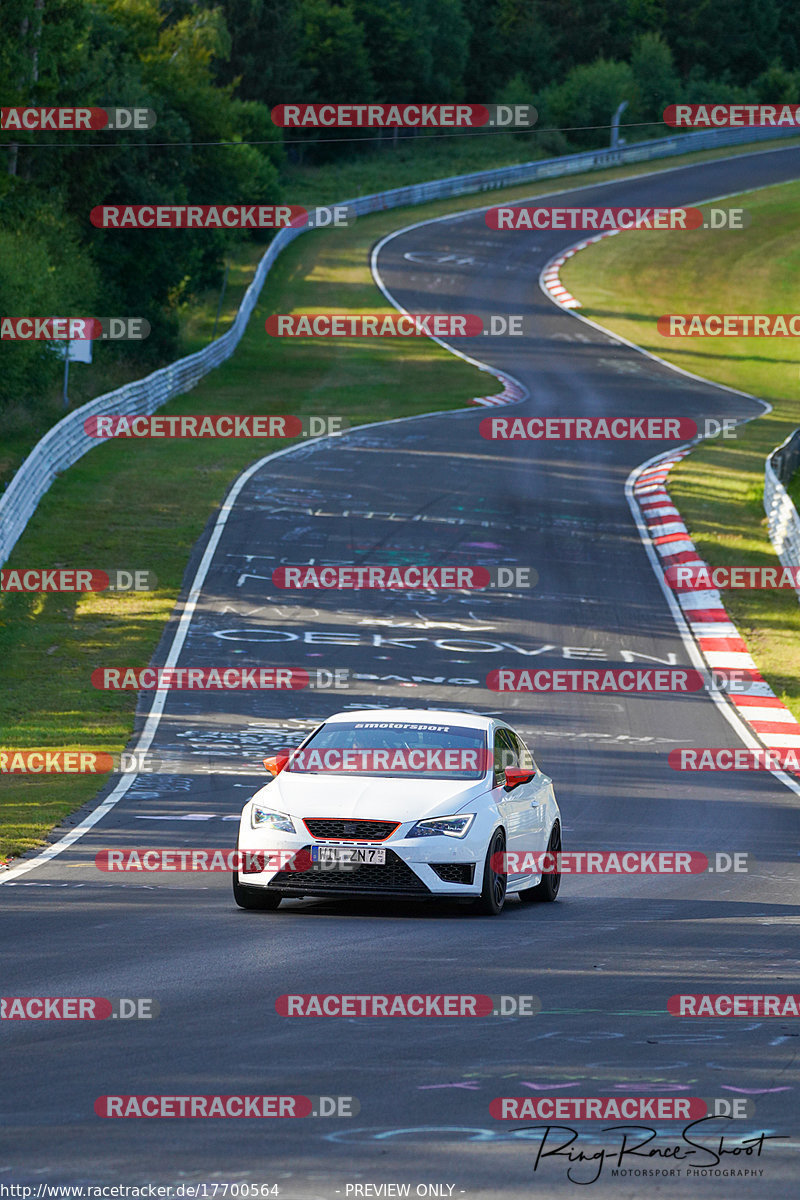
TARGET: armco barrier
(66,442)
(782,519)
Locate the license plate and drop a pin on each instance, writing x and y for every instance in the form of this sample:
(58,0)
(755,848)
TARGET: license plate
(348,854)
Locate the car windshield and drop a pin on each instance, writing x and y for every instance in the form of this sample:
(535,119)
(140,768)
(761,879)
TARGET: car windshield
(395,749)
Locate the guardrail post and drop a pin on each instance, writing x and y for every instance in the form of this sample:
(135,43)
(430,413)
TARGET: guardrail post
(616,140)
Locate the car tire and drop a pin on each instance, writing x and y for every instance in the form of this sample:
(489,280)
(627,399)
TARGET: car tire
(493,893)
(547,889)
(254,898)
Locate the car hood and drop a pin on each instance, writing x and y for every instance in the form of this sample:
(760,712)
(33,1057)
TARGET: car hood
(368,797)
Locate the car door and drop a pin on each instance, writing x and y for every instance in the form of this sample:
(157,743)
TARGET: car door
(538,794)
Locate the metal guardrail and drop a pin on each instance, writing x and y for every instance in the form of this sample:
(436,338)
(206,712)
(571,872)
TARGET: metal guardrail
(66,442)
(783,521)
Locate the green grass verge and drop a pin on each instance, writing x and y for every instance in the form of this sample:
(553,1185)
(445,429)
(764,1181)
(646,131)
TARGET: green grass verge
(146,507)
(410,160)
(625,283)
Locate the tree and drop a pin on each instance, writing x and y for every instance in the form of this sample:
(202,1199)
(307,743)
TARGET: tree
(449,34)
(776,85)
(734,44)
(42,273)
(509,38)
(584,103)
(334,54)
(656,82)
(267,43)
(109,53)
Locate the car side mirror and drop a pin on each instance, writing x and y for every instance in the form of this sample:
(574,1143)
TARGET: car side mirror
(276,764)
(517,775)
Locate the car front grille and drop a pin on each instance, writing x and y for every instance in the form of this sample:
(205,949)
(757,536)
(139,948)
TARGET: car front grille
(394,876)
(455,872)
(350,830)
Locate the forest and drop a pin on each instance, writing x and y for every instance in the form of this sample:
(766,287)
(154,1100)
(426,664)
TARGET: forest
(212,72)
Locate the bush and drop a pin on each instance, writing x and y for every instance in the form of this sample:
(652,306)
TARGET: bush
(583,105)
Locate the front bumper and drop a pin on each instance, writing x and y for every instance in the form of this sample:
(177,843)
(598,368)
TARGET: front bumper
(431,866)
(394,877)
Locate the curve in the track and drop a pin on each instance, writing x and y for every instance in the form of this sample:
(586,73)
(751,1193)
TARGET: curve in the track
(603,960)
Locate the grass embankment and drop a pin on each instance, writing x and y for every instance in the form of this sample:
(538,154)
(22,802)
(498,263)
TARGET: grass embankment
(146,507)
(625,283)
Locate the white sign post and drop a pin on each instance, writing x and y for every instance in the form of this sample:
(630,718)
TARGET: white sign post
(74,350)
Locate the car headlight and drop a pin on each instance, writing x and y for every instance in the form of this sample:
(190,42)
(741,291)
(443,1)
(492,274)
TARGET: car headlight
(449,826)
(267,818)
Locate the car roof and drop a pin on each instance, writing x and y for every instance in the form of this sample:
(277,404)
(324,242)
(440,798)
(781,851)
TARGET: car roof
(423,716)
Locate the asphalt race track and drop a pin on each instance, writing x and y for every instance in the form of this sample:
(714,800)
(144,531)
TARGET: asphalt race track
(603,960)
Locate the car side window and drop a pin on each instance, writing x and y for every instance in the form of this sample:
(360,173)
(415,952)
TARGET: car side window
(525,756)
(505,755)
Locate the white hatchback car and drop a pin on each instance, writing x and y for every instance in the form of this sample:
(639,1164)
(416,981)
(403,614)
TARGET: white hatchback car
(399,803)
